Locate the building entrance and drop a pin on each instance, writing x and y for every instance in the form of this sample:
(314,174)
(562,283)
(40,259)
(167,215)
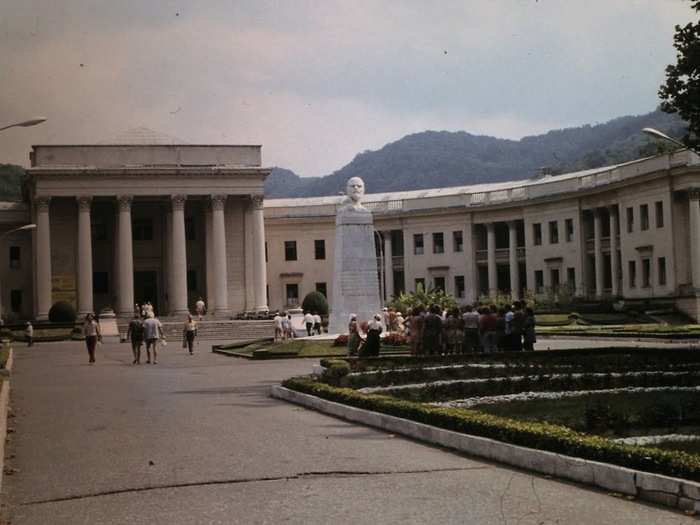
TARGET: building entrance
(146,289)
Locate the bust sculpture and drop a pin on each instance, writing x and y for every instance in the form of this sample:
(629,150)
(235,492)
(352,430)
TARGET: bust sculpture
(351,210)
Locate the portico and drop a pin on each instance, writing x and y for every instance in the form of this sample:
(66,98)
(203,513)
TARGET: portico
(119,224)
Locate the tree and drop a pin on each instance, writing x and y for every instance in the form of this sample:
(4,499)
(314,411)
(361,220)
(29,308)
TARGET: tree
(315,302)
(681,92)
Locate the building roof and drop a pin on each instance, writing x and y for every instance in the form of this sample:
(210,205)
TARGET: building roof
(141,136)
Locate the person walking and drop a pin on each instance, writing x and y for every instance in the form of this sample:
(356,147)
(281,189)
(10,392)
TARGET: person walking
(278,327)
(529,336)
(317,324)
(189,333)
(374,329)
(91,331)
(29,334)
(309,323)
(134,333)
(354,339)
(290,327)
(153,332)
(200,308)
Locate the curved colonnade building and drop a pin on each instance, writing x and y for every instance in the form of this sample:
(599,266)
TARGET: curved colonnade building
(152,219)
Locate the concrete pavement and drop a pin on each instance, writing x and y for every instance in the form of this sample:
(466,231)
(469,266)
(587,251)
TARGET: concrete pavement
(196,439)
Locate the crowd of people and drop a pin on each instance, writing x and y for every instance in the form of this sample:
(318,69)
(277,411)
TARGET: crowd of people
(434,331)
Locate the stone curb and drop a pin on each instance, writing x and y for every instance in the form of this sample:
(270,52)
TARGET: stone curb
(4,403)
(672,492)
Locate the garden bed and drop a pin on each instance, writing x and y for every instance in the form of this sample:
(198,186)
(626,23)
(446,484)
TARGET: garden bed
(302,348)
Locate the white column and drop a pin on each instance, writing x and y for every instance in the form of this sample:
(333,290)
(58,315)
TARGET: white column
(388,266)
(84,256)
(43,258)
(513,260)
(178,271)
(218,204)
(125,258)
(694,203)
(259,266)
(614,268)
(598,252)
(209,256)
(470,293)
(491,259)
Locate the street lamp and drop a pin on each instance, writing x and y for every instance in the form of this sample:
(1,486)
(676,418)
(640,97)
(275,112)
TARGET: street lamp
(655,133)
(31,226)
(25,124)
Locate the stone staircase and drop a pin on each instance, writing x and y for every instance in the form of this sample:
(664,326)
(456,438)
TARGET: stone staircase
(214,329)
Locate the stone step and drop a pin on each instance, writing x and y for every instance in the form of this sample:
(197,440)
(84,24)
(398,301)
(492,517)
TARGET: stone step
(221,330)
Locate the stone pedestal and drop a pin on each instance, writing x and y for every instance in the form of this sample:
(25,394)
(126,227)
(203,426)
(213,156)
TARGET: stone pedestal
(355,279)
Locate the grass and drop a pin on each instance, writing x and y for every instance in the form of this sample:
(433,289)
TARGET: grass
(621,329)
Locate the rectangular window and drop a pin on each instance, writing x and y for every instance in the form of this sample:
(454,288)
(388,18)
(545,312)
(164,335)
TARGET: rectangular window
(646,273)
(322,288)
(418,244)
(569,225)
(15,257)
(438,243)
(420,284)
(643,217)
(632,274)
(290,250)
(554,279)
(320,250)
(537,234)
(100,283)
(143,230)
(16,301)
(661,265)
(439,283)
(630,220)
(292,294)
(459,286)
(553,232)
(539,281)
(571,279)
(190,229)
(659,214)
(191,280)
(457,242)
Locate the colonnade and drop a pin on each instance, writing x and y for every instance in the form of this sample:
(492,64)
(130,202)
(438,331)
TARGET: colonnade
(216,256)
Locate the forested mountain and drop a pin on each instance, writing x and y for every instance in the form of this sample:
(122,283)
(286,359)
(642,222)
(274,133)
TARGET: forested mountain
(434,159)
(11,181)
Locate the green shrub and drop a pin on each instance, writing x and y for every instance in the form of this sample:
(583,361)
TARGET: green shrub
(335,370)
(315,302)
(62,312)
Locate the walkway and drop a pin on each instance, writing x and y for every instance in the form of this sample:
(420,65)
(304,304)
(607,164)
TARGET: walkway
(196,439)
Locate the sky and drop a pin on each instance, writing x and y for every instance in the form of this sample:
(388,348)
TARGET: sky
(317,82)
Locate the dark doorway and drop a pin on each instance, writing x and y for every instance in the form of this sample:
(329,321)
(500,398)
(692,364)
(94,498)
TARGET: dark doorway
(146,289)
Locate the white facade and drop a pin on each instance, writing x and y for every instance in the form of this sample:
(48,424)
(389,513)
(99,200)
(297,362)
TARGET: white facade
(550,235)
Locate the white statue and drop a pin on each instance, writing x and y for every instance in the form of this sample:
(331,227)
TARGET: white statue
(355,279)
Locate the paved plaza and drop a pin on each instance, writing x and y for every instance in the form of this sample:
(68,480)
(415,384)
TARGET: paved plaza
(196,439)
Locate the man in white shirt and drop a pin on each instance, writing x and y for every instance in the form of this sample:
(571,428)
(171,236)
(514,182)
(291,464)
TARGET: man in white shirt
(317,324)
(309,322)
(152,332)
(278,327)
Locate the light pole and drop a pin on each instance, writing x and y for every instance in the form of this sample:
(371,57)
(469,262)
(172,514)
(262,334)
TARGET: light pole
(25,124)
(659,135)
(31,226)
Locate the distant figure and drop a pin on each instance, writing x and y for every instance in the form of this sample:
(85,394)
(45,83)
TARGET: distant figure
(309,323)
(416,330)
(278,327)
(317,323)
(91,330)
(517,326)
(290,328)
(285,323)
(398,323)
(189,333)
(432,331)
(152,331)
(135,334)
(529,337)
(374,329)
(29,334)
(386,319)
(453,332)
(470,342)
(353,335)
(200,308)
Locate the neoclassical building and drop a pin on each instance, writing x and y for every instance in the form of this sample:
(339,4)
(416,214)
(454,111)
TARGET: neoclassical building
(629,231)
(143,219)
(146,217)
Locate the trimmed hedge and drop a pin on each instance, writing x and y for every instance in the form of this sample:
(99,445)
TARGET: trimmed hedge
(543,436)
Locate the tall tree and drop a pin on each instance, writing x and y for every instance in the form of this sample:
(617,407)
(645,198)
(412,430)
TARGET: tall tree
(681,92)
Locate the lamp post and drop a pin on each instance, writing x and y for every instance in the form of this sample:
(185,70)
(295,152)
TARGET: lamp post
(655,133)
(25,123)
(31,226)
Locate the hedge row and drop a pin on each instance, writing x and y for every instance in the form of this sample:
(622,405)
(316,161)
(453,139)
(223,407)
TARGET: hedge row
(543,436)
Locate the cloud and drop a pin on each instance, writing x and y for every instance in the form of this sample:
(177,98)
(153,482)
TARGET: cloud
(318,82)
